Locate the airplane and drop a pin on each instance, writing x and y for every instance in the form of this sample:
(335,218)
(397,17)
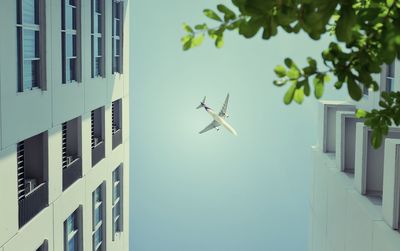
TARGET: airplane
(219,119)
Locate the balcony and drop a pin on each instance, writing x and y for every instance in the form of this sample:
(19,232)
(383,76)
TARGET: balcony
(33,202)
(116,138)
(98,153)
(72,173)
(346,140)
(369,162)
(327,128)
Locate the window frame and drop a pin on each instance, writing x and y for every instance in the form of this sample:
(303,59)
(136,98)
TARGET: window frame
(117,66)
(100,226)
(117,183)
(95,35)
(65,59)
(76,232)
(40,46)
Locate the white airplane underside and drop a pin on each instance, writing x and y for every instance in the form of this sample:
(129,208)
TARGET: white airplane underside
(219,119)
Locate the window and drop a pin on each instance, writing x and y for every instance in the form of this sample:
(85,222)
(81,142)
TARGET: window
(389,85)
(71,145)
(97,135)
(98,232)
(117,10)
(30,44)
(72,232)
(97,38)
(70,40)
(43,247)
(116,123)
(117,201)
(32,177)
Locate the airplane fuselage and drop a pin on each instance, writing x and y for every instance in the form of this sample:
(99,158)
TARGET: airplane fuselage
(220,120)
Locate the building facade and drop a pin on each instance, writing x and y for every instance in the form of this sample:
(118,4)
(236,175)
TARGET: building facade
(355,189)
(64,125)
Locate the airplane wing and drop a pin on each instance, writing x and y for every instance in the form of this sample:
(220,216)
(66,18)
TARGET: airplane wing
(214,124)
(223,109)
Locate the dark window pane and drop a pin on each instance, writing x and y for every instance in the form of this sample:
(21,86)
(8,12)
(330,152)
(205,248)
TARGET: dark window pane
(30,9)
(30,74)
(98,6)
(71,45)
(70,70)
(116,64)
(98,23)
(30,43)
(97,69)
(70,17)
(98,236)
(72,2)
(98,47)
(117,47)
(117,27)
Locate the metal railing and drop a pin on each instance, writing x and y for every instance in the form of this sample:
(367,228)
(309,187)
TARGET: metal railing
(34,202)
(72,173)
(98,153)
(116,138)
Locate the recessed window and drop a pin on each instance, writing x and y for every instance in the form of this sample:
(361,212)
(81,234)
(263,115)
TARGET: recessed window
(70,40)
(389,81)
(97,40)
(116,120)
(117,29)
(97,135)
(30,44)
(98,231)
(43,247)
(72,231)
(71,148)
(32,177)
(117,201)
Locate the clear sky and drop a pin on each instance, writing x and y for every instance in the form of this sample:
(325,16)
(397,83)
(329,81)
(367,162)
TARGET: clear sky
(215,191)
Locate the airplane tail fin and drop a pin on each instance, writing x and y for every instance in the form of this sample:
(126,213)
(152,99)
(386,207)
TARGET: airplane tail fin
(202,103)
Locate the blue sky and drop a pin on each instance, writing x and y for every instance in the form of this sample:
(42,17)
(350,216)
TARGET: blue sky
(215,191)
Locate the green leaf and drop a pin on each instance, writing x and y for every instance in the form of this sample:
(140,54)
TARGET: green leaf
(228,14)
(219,42)
(197,40)
(354,89)
(293,73)
(287,99)
(249,29)
(211,14)
(376,139)
(306,88)
(188,44)
(299,96)
(187,28)
(389,3)
(360,113)
(280,71)
(318,86)
(280,82)
(345,24)
(201,27)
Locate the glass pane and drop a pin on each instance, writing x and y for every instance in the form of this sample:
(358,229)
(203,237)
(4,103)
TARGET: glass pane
(98,215)
(117,27)
(71,45)
(98,45)
(70,17)
(70,71)
(73,244)
(117,47)
(97,66)
(98,23)
(30,74)
(98,6)
(116,64)
(30,9)
(98,236)
(71,223)
(72,2)
(31,44)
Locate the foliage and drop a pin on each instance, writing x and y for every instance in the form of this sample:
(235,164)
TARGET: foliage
(366,35)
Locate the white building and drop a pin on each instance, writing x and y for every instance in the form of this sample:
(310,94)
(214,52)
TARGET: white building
(355,199)
(64,125)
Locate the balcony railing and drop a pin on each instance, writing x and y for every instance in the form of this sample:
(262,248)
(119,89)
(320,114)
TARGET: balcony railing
(116,138)
(72,173)
(98,153)
(33,203)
